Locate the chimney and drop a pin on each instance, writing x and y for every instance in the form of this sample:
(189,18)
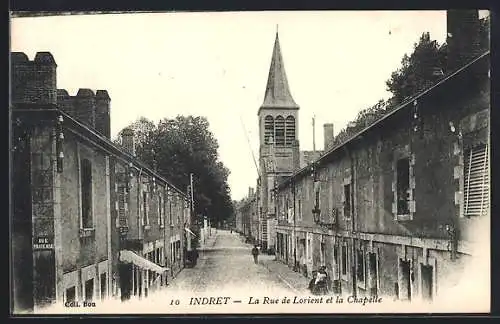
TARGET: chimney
(128,141)
(102,114)
(85,107)
(463,37)
(250,192)
(328,136)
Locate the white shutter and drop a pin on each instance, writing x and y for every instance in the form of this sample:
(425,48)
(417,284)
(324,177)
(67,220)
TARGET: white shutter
(141,207)
(121,206)
(159,209)
(147,208)
(476,181)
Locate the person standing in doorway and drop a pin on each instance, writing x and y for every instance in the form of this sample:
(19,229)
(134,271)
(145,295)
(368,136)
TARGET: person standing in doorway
(255,253)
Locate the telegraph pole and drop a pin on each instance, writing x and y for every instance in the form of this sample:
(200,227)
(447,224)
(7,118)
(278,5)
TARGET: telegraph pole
(191,210)
(314,132)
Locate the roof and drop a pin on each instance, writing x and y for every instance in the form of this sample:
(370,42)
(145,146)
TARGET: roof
(400,107)
(277,91)
(92,136)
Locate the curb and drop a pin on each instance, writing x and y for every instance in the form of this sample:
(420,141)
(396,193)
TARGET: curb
(282,279)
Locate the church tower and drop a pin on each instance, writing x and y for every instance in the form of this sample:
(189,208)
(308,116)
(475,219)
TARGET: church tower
(279,146)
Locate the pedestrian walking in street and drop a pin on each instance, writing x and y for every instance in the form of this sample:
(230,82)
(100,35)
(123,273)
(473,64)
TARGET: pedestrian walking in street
(255,253)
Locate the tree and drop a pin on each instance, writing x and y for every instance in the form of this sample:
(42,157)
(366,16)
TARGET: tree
(183,145)
(419,70)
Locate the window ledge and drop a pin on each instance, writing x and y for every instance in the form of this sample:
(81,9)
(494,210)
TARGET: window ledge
(147,227)
(87,232)
(361,284)
(403,218)
(162,226)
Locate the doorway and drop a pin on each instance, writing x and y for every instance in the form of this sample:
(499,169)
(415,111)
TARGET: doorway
(427,273)
(404,280)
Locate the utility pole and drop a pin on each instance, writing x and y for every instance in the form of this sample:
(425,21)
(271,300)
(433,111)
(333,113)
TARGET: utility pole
(191,210)
(314,133)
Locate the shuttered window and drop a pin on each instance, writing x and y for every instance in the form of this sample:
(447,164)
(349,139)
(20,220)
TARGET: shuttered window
(279,131)
(476,181)
(268,128)
(122,216)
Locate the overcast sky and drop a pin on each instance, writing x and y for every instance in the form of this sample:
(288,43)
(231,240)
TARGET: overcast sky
(216,65)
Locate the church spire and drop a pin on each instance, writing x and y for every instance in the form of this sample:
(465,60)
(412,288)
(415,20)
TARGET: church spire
(277,90)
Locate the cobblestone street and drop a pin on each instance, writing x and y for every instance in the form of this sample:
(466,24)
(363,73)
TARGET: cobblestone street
(226,264)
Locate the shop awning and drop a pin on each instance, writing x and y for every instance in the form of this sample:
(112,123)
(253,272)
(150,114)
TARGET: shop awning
(131,257)
(189,231)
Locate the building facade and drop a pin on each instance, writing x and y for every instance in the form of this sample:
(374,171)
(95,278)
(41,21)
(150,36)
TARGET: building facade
(88,218)
(398,209)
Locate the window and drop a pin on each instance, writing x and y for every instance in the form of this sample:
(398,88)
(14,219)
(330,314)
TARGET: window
(300,209)
(178,249)
(122,206)
(289,130)
(89,290)
(268,128)
(86,190)
(403,186)
(169,195)
(344,260)
(316,199)
(347,200)
(145,218)
(360,267)
(476,181)
(279,131)
(71,294)
(336,261)
(160,211)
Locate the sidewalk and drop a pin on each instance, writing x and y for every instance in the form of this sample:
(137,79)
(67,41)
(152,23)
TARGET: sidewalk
(294,280)
(209,241)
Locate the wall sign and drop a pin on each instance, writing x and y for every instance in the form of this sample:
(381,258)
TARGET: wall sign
(43,243)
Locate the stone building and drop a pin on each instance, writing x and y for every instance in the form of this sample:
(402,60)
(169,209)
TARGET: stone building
(279,147)
(78,218)
(395,210)
(246,215)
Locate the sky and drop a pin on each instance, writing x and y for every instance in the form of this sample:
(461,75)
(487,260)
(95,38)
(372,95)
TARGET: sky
(160,65)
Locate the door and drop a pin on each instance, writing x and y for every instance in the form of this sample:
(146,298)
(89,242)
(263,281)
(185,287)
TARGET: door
(404,280)
(427,273)
(372,274)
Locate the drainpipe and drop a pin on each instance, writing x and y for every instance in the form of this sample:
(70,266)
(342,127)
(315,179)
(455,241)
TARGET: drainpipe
(353,225)
(294,231)
(139,184)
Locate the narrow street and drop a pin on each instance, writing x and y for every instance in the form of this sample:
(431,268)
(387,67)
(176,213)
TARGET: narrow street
(226,266)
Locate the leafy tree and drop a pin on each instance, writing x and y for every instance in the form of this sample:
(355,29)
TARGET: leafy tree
(419,70)
(183,145)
